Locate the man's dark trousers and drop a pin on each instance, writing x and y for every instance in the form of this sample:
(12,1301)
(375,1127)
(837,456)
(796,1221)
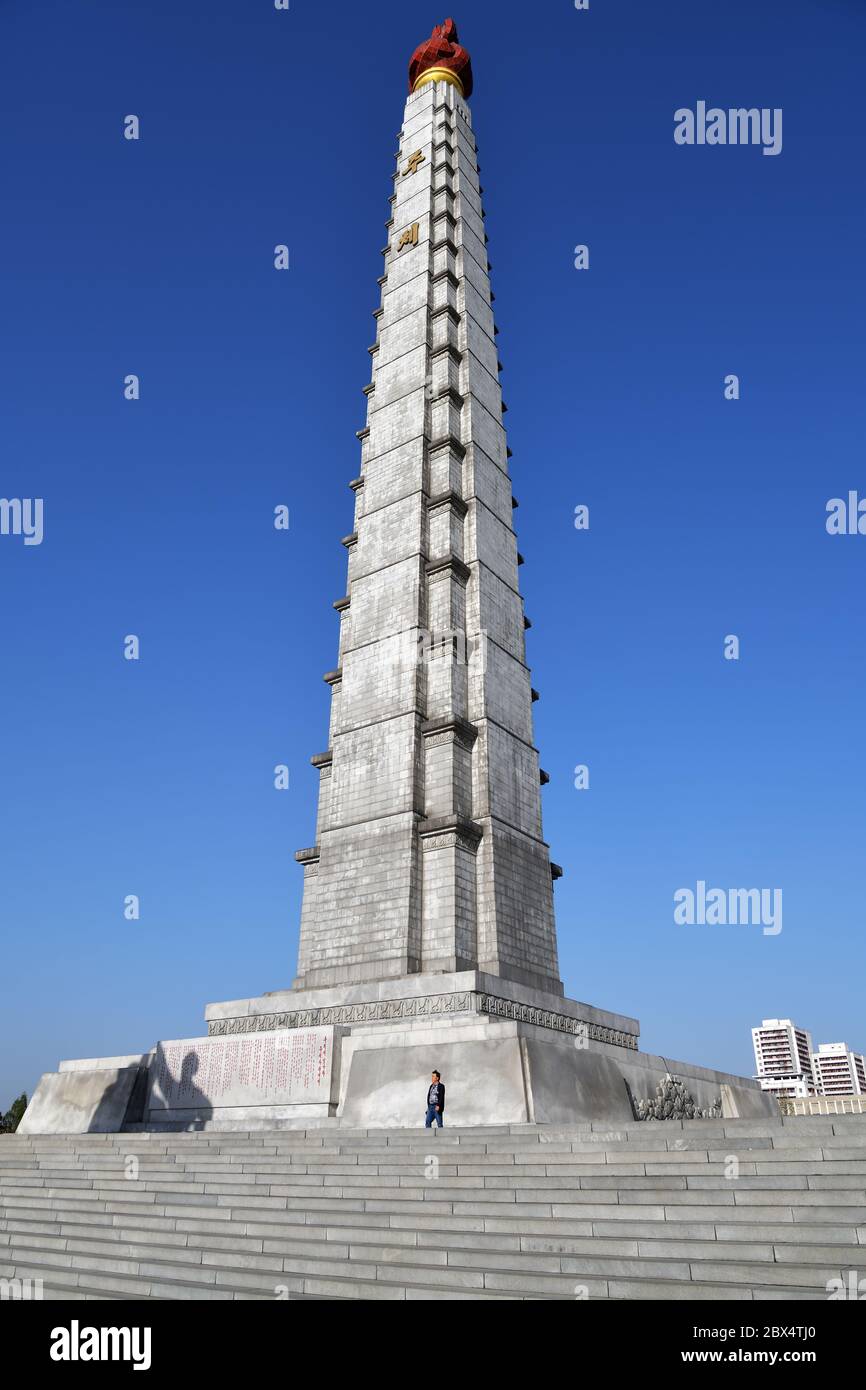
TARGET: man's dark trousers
(433,1114)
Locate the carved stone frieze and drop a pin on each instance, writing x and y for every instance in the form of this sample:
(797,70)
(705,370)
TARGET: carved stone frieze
(381,1011)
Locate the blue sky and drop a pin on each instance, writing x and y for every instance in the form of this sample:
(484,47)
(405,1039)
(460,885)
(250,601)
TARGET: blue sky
(707,516)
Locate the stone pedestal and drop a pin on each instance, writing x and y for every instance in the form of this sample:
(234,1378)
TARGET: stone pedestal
(507,1053)
(361,1056)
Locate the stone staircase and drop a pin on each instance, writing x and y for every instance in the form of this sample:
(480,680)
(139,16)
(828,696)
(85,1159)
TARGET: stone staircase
(521,1211)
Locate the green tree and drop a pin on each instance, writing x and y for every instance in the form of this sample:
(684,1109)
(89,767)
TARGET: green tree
(12,1119)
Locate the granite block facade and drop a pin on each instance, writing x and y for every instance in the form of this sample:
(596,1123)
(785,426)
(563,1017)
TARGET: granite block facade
(429,852)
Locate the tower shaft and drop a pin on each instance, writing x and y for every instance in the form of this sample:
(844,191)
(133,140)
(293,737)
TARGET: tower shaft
(429,854)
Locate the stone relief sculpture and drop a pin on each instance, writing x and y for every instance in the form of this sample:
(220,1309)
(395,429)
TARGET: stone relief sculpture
(673,1102)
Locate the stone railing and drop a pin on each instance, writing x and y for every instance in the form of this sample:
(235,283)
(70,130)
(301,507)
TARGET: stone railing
(822,1105)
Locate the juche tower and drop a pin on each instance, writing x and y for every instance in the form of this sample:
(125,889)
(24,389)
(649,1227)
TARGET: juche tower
(427,930)
(428,853)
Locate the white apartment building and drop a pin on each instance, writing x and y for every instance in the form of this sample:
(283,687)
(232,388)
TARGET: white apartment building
(838,1071)
(783,1058)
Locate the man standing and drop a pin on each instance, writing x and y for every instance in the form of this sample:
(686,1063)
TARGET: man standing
(435,1101)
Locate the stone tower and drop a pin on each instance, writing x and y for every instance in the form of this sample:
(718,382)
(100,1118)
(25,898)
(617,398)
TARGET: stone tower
(429,855)
(427,931)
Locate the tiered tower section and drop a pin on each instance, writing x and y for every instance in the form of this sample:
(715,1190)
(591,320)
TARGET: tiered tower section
(429,854)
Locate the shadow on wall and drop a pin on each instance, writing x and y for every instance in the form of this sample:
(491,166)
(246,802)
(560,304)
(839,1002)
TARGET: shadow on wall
(113,1105)
(179,1093)
(120,1105)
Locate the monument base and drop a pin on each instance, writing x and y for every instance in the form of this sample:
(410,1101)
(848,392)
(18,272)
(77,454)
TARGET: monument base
(361,1056)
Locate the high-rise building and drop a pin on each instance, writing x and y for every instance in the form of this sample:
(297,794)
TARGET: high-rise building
(838,1071)
(783,1058)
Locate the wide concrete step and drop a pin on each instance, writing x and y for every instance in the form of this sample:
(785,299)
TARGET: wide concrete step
(395,1161)
(167,1281)
(237,1230)
(624,1222)
(467,1141)
(523,1212)
(260,1187)
(830,1131)
(423,1204)
(451,1187)
(273,1273)
(132,1243)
